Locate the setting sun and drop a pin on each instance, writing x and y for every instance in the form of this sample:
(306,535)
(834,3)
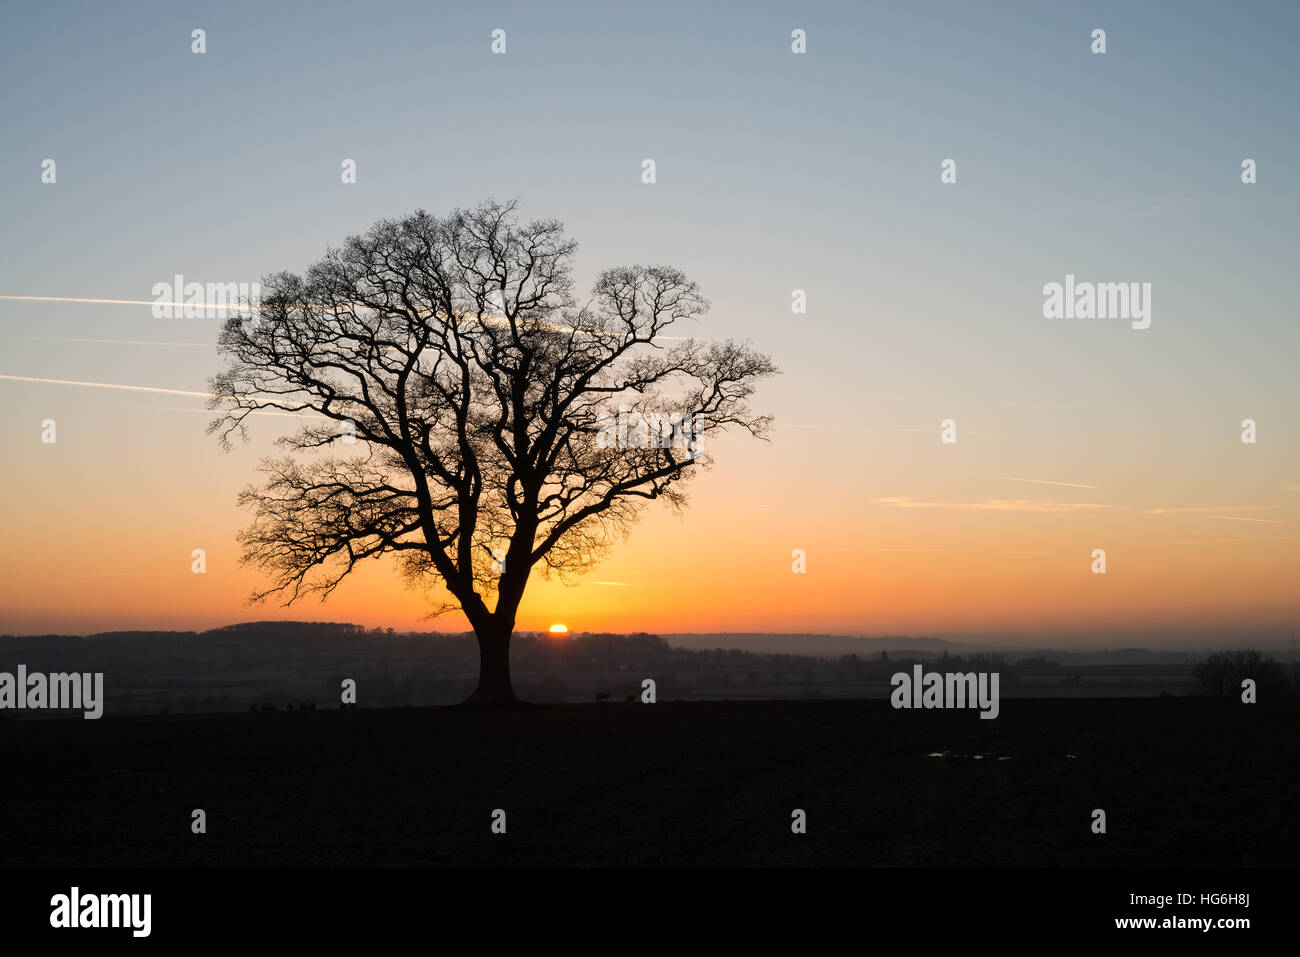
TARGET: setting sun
(559,629)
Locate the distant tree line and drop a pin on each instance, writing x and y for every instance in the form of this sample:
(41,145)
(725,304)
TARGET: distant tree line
(1222,672)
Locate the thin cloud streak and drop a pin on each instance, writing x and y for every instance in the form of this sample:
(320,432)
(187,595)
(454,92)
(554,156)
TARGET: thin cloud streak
(1213,508)
(106,385)
(241,308)
(104,302)
(1224,541)
(117,342)
(993,505)
(863,428)
(1012,478)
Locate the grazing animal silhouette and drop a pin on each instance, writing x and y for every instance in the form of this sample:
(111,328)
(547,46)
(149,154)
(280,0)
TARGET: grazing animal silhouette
(602,697)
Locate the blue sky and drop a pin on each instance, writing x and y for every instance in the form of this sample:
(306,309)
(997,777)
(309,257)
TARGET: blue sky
(775,171)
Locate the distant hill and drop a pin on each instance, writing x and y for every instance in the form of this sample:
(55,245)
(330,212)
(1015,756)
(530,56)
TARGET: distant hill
(282,664)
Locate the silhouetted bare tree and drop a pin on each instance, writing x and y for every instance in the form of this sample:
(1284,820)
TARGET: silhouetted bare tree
(467,414)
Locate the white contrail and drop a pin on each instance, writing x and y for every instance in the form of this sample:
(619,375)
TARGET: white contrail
(116,342)
(1214,508)
(1216,541)
(993,505)
(244,307)
(132,302)
(111,302)
(106,385)
(860,428)
(1012,478)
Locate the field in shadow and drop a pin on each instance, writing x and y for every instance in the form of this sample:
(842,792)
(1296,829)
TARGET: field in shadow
(1184,781)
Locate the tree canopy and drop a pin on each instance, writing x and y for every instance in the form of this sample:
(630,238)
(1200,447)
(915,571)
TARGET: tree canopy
(465,412)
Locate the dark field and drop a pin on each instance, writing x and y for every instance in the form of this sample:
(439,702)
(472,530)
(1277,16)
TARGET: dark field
(1184,781)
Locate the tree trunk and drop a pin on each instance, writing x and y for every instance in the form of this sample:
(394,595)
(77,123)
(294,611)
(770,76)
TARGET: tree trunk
(494,689)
